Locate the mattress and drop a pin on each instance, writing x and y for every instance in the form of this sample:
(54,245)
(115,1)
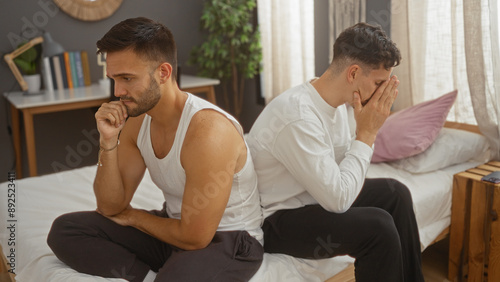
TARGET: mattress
(39,200)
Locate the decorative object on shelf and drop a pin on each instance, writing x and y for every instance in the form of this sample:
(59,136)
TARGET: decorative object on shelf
(25,57)
(89,10)
(101,61)
(232,50)
(34,83)
(50,47)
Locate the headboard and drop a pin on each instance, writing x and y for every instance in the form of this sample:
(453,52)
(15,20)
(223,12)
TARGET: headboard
(463,126)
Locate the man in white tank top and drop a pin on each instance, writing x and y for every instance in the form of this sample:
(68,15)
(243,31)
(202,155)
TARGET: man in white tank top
(209,229)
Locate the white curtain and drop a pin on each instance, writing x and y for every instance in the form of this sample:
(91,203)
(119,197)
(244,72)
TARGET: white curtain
(447,45)
(343,14)
(287,37)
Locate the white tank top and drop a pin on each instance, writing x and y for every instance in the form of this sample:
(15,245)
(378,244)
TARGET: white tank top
(243,211)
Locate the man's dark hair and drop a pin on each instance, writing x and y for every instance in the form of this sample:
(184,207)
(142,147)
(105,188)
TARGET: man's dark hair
(148,39)
(366,44)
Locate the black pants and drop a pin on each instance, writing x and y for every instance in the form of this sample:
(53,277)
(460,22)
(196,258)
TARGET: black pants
(379,231)
(90,243)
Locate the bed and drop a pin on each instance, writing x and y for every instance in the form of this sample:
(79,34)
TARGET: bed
(39,200)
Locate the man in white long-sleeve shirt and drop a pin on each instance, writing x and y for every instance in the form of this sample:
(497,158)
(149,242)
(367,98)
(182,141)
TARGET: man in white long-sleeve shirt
(312,146)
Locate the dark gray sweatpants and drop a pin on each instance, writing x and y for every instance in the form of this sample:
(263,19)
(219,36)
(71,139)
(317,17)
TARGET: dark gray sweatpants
(90,243)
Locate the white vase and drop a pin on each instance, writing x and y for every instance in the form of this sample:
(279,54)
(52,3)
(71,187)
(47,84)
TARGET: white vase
(34,83)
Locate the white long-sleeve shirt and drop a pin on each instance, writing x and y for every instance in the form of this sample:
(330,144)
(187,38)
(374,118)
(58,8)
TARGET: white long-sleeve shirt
(304,153)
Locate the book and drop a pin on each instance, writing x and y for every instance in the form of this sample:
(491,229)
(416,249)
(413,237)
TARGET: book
(52,71)
(86,68)
(67,65)
(58,72)
(74,75)
(62,66)
(47,74)
(72,68)
(79,69)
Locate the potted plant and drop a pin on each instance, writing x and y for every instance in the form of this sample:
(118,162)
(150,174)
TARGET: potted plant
(28,63)
(232,51)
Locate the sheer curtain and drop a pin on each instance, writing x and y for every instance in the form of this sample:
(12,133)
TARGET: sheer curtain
(449,45)
(343,14)
(287,37)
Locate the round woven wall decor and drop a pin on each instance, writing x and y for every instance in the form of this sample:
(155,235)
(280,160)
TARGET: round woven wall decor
(89,10)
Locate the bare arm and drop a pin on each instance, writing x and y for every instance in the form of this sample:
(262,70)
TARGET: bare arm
(212,147)
(122,168)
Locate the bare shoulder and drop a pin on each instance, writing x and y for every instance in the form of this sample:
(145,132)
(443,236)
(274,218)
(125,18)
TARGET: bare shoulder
(211,123)
(210,130)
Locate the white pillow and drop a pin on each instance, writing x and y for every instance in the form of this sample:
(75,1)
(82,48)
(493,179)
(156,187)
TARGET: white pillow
(452,146)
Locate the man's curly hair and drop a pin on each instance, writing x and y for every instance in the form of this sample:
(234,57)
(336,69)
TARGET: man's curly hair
(365,44)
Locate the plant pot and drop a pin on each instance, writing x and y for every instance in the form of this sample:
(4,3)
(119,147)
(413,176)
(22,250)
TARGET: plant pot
(34,83)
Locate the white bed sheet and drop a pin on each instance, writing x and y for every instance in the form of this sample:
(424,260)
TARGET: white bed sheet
(40,200)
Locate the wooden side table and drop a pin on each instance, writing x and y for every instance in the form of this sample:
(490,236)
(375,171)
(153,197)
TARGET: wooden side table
(474,253)
(48,102)
(195,84)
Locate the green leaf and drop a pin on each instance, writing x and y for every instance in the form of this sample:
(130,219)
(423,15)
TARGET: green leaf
(231,40)
(28,55)
(27,67)
(27,60)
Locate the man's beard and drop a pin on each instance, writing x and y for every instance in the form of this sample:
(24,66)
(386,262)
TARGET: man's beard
(149,99)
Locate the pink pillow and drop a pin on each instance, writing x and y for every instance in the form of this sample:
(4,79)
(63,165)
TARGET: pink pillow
(412,130)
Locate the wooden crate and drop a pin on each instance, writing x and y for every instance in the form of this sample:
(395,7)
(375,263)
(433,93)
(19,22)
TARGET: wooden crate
(475,229)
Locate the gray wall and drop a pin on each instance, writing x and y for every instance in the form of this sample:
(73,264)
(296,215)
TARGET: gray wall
(60,135)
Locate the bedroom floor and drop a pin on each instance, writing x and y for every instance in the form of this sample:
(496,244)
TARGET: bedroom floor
(435,262)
